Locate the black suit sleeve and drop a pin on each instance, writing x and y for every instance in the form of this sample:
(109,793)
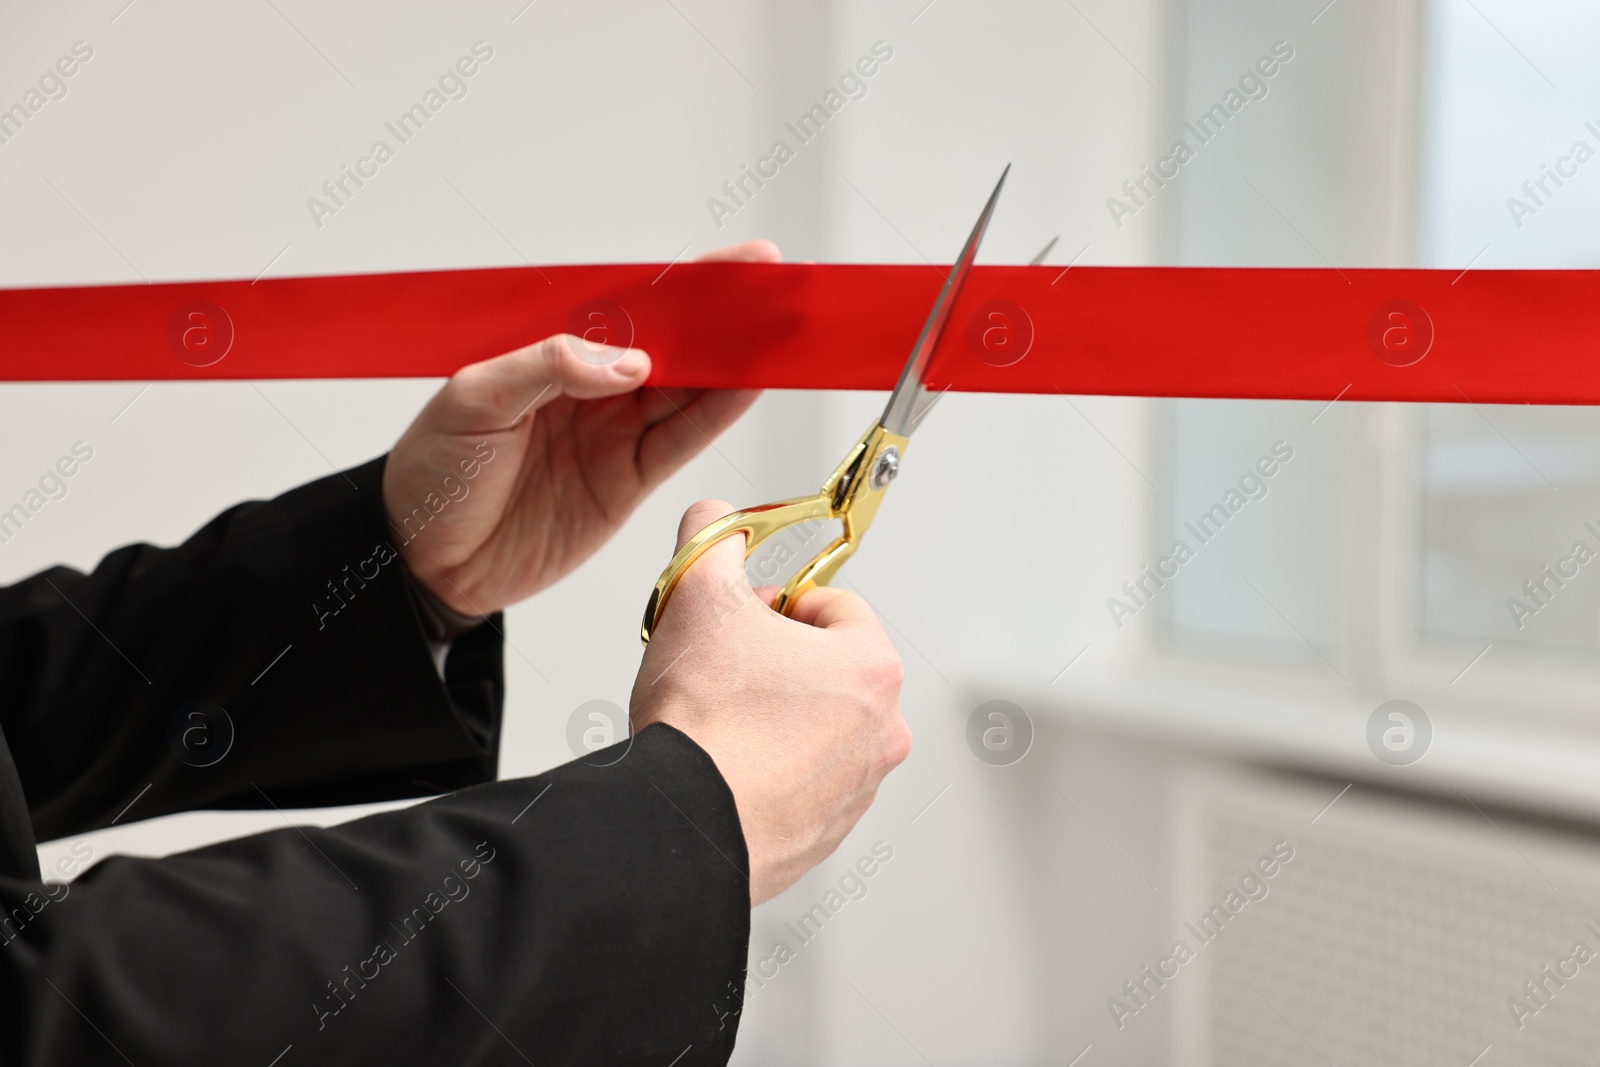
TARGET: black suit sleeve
(595,914)
(276,657)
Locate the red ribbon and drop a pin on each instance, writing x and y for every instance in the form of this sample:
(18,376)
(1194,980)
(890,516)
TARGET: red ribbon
(1413,335)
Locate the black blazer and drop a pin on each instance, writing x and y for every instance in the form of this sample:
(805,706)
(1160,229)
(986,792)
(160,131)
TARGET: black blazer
(594,914)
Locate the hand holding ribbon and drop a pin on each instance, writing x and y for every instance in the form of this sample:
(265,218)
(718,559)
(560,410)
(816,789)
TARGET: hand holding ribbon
(565,441)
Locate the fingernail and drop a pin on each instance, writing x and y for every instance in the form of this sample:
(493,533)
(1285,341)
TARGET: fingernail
(631,362)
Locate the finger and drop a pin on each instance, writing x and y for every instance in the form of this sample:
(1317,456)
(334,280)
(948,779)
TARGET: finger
(757,251)
(657,404)
(827,608)
(682,435)
(714,410)
(498,392)
(767,593)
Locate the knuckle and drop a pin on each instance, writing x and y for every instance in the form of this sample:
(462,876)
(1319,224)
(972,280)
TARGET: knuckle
(495,387)
(474,377)
(884,670)
(553,357)
(477,386)
(556,350)
(900,743)
(894,747)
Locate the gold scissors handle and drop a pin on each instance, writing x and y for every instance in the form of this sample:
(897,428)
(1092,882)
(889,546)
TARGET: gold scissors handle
(851,495)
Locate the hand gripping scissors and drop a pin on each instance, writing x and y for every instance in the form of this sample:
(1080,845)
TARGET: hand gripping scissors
(854,490)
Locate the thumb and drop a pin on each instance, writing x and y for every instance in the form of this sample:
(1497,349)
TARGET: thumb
(827,608)
(702,513)
(717,579)
(498,393)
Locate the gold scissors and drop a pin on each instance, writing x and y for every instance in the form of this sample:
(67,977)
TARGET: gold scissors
(854,490)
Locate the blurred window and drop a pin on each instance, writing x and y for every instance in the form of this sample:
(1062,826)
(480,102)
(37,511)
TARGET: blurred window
(1417,531)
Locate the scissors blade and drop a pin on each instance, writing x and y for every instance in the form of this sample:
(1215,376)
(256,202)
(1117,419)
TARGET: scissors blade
(910,399)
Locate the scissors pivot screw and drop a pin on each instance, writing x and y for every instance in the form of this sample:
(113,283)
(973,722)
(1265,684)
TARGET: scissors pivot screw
(886,468)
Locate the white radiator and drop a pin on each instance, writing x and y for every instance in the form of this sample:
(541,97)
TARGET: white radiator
(1402,931)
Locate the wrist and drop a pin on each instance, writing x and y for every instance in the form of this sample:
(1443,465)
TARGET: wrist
(440,621)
